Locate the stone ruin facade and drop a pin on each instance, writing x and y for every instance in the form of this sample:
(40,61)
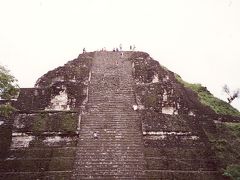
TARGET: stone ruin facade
(40,140)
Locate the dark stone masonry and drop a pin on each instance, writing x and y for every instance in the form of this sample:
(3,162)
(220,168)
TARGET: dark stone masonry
(109,116)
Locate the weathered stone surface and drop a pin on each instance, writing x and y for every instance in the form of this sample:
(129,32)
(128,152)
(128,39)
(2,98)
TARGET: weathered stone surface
(105,115)
(39,141)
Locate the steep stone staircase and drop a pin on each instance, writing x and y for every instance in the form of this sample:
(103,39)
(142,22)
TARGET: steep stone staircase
(116,149)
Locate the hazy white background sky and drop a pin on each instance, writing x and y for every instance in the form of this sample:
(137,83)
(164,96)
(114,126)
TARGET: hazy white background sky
(198,39)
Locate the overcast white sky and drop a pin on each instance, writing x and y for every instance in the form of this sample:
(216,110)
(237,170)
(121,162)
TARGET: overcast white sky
(198,39)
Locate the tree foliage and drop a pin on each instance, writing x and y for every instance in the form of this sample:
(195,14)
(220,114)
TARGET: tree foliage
(8,84)
(8,90)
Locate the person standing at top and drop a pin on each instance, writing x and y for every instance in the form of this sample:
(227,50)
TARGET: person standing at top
(120,47)
(134,47)
(84,50)
(130,47)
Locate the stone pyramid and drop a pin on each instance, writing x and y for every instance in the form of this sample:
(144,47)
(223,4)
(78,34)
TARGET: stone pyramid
(110,115)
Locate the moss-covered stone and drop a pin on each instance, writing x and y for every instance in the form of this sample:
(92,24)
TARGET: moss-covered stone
(47,122)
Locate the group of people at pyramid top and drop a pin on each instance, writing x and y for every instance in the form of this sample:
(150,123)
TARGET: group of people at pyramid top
(132,48)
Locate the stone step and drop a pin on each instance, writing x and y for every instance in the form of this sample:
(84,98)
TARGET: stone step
(113,90)
(105,140)
(114,110)
(113,148)
(104,125)
(111,173)
(112,97)
(109,118)
(110,101)
(108,151)
(111,136)
(109,154)
(102,139)
(110,158)
(98,121)
(127,110)
(117,95)
(109,146)
(106,143)
(110,167)
(88,132)
(118,116)
(121,106)
(112,163)
(105,129)
(116,124)
(110,129)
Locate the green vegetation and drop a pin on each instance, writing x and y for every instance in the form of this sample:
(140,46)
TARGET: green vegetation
(8,90)
(8,86)
(226,145)
(206,98)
